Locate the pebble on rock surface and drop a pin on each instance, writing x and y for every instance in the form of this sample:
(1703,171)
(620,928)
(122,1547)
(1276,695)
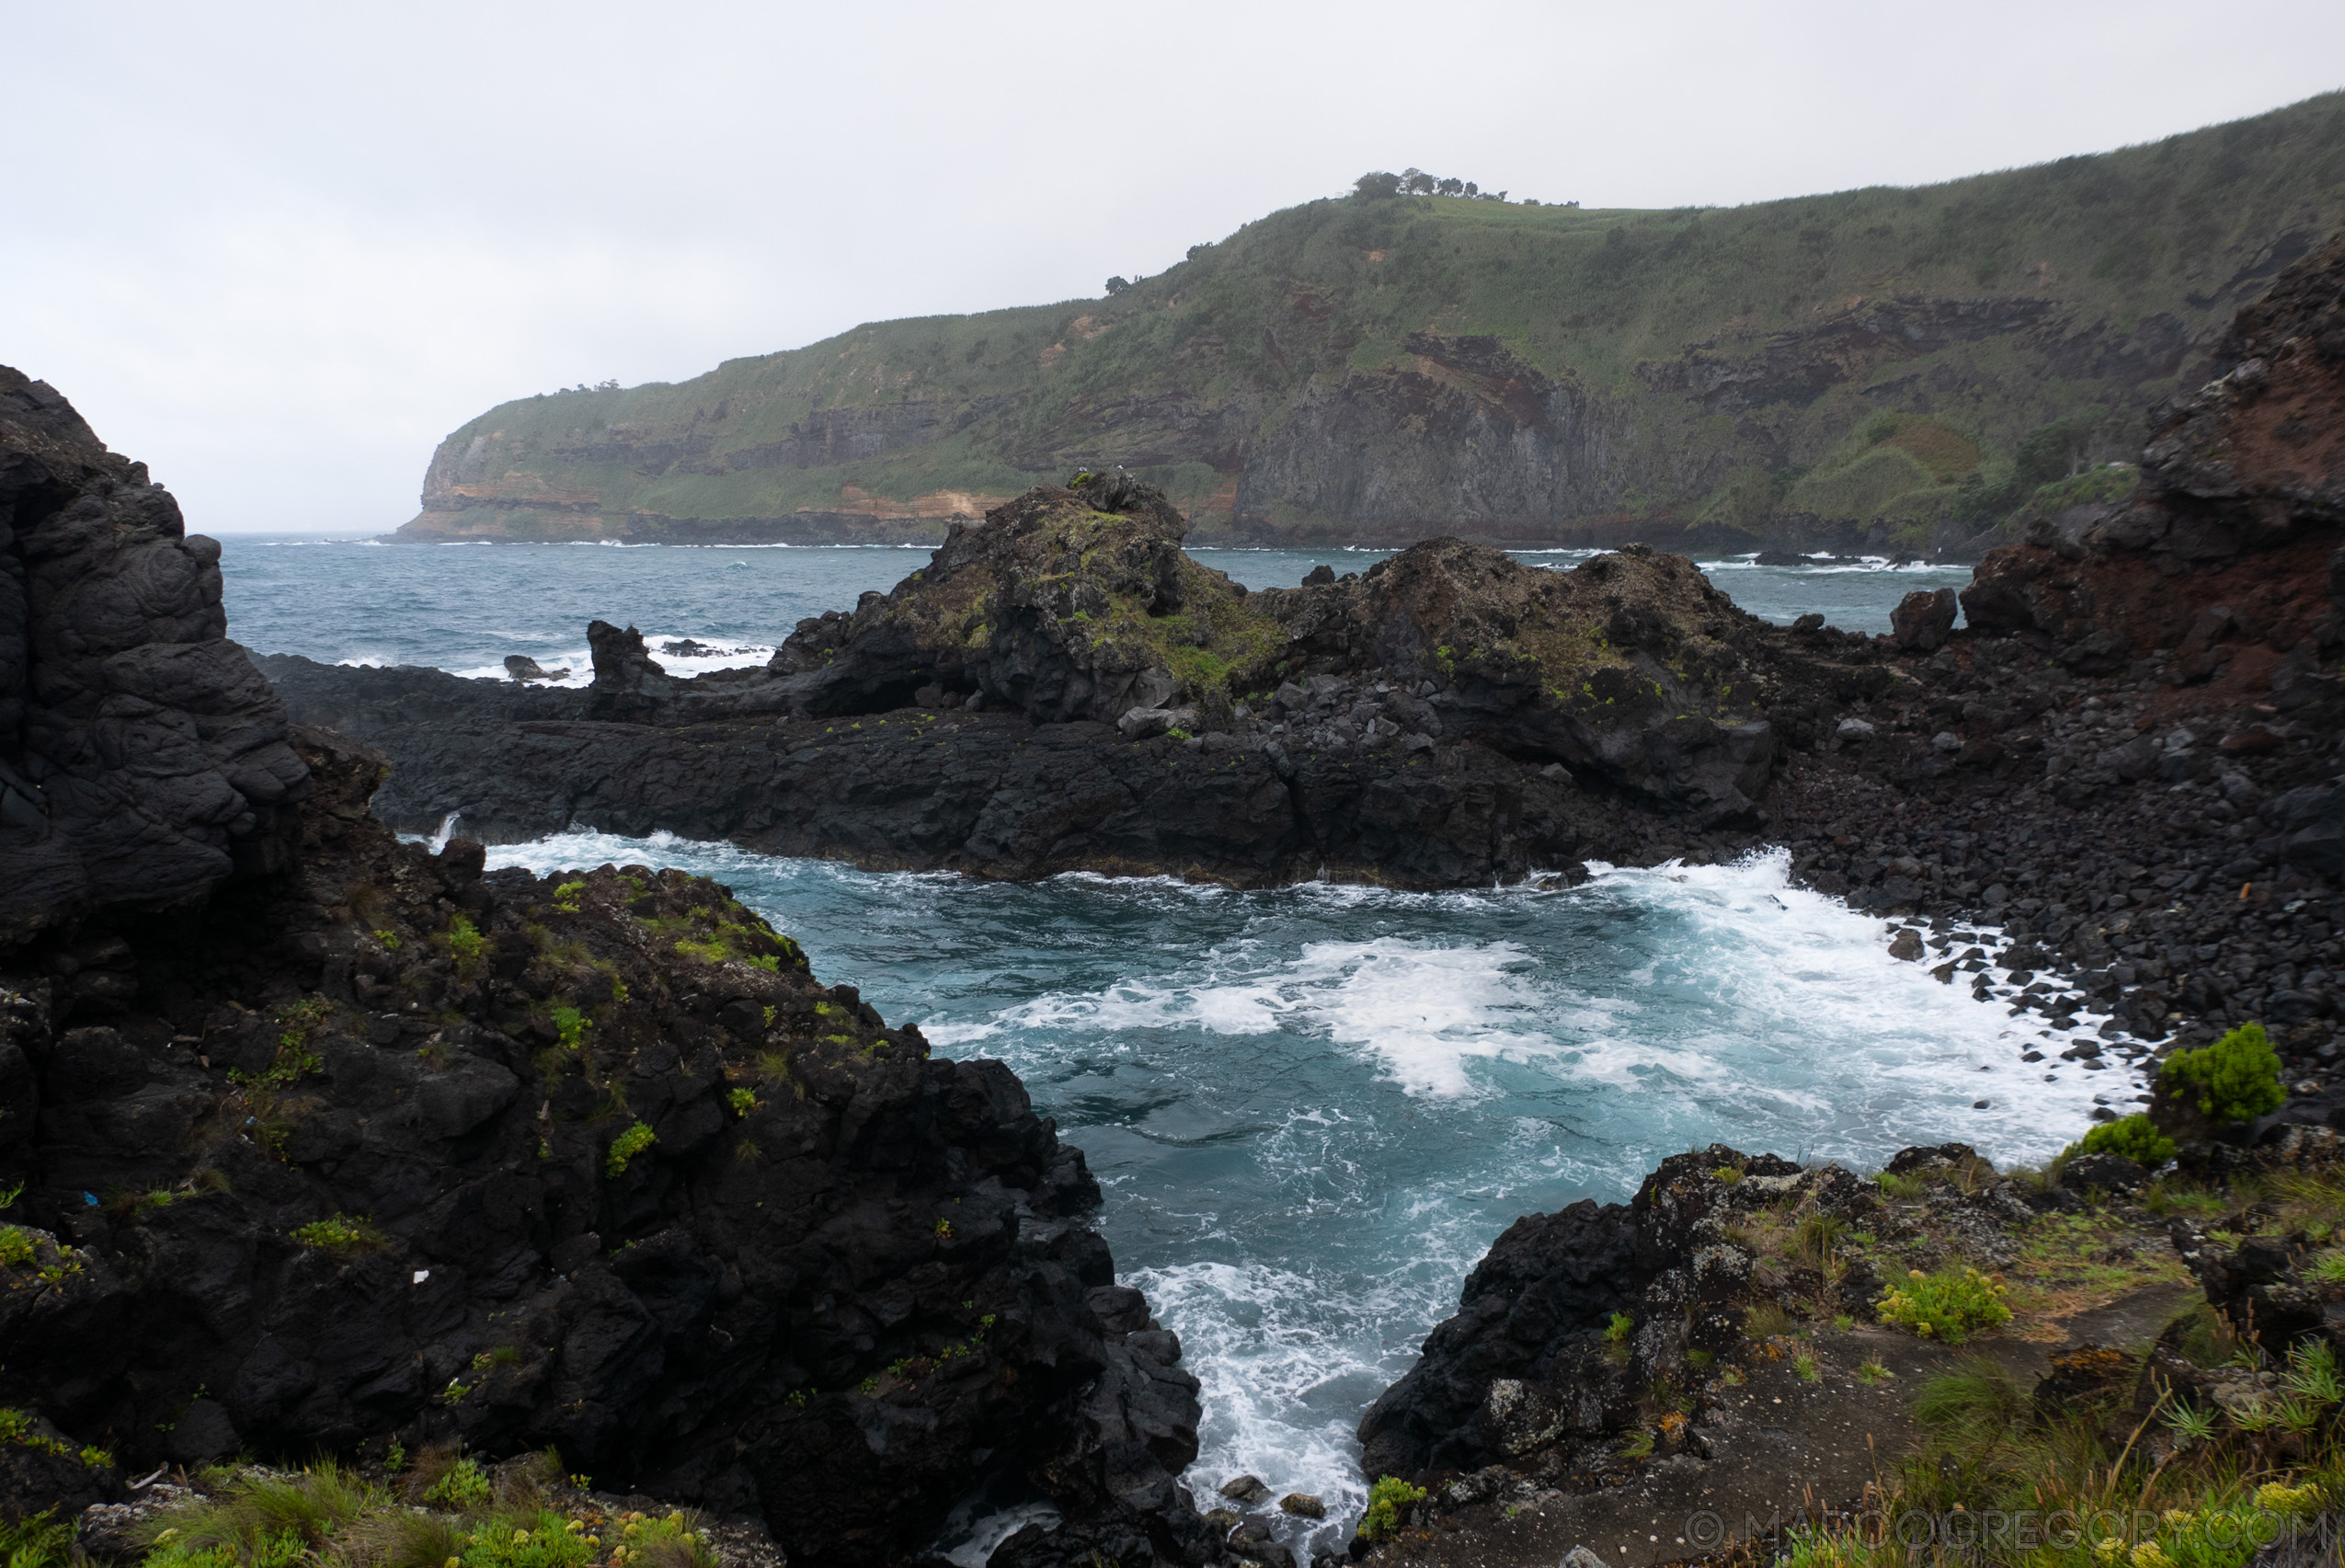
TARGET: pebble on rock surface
(1303,1503)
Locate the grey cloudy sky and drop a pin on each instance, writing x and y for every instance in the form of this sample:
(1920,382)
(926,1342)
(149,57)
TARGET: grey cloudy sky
(277,251)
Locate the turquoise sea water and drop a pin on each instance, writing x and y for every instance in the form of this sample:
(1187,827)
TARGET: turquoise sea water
(1312,1109)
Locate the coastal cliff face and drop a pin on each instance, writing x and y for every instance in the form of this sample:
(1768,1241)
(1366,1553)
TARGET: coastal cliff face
(142,758)
(354,1144)
(1891,370)
(2220,557)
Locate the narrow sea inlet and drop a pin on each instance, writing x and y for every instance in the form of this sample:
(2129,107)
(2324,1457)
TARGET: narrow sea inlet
(1314,1109)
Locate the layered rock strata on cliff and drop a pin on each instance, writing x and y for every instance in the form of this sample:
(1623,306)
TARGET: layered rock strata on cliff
(2225,545)
(142,760)
(2128,758)
(364,1144)
(1062,687)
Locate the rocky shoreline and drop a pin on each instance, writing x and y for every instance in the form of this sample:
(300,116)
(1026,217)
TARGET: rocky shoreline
(2125,761)
(310,1140)
(322,1140)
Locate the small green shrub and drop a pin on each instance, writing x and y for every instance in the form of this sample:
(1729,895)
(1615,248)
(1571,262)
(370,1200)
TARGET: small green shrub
(626,1146)
(464,940)
(340,1234)
(464,1486)
(571,1025)
(16,1247)
(1387,1500)
(567,896)
(1804,1365)
(1765,1320)
(1946,1306)
(743,1102)
(2235,1079)
(1728,1175)
(1618,1330)
(2328,1268)
(2132,1138)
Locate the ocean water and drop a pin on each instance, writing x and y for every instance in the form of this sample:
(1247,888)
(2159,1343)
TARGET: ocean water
(1312,1109)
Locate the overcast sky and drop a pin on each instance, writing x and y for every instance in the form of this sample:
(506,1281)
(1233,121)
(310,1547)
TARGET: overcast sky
(279,251)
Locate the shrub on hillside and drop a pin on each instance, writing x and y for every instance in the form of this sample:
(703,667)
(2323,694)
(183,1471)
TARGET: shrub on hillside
(2235,1079)
(2134,1138)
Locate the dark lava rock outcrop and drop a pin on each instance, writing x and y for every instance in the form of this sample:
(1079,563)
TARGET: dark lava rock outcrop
(2224,544)
(1533,1361)
(1061,688)
(366,1144)
(142,760)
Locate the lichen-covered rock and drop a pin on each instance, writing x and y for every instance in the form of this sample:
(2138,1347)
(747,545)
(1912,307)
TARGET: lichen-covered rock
(1065,603)
(142,758)
(1571,1316)
(1629,669)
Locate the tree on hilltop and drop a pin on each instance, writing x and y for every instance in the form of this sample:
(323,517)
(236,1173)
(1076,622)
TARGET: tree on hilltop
(1377,184)
(1117,285)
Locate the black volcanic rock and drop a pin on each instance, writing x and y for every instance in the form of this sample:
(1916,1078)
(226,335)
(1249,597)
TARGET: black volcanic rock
(1448,717)
(364,1143)
(142,760)
(1526,1362)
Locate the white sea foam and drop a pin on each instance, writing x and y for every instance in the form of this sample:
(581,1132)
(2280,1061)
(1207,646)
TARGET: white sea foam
(725,654)
(1313,1109)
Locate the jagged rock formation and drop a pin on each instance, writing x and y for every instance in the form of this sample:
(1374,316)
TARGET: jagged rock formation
(2225,545)
(142,760)
(367,1143)
(1449,715)
(1528,1363)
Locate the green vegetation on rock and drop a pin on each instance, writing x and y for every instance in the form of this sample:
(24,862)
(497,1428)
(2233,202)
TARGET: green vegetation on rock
(628,1144)
(2235,1079)
(2134,1138)
(1388,1499)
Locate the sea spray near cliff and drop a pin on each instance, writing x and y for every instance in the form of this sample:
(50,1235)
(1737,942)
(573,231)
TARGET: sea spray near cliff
(1313,1108)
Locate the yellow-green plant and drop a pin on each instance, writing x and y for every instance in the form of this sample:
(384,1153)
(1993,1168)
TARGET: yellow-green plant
(626,1146)
(343,1235)
(460,1486)
(1387,1500)
(1948,1305)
